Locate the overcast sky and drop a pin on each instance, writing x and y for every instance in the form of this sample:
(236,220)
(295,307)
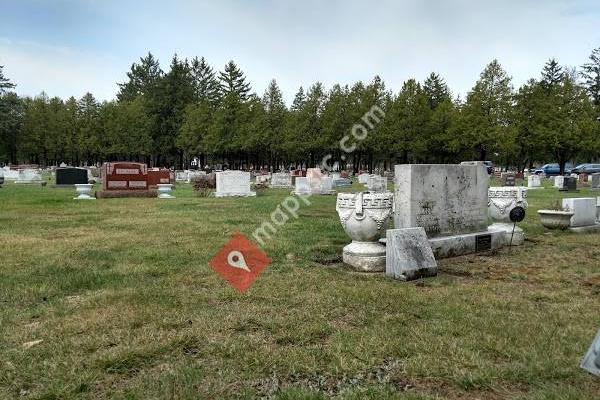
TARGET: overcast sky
(68,47)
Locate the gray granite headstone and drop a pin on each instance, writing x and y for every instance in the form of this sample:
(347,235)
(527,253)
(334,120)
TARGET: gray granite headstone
(408,254)
(445,199)
(596,181)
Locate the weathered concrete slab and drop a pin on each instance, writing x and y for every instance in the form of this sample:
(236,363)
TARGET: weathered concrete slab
(408,254)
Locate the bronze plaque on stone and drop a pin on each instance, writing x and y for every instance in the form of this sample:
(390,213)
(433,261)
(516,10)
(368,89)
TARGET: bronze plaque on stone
(483,242)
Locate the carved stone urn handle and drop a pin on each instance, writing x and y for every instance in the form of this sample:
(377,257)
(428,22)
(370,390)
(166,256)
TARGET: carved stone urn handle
(358,207)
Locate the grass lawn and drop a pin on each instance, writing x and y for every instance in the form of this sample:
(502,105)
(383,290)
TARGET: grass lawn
(121,295)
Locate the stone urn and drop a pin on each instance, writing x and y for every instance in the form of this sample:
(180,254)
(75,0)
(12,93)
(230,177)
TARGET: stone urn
(501,201)
(365,217)
(555,219)
(84,191)
(164,191)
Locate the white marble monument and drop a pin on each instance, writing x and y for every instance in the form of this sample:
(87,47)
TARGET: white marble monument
(302,186)
(29,176)
(559,181)
(534,182)
(584,214)
(233,184)
(281,180)
(363,178)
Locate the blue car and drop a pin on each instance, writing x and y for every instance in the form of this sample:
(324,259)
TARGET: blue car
(552,169)
(586,169)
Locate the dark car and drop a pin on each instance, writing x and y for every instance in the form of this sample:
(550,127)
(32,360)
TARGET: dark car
(489,166)
(586,169)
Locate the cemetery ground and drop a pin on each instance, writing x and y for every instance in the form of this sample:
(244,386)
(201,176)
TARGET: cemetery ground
(114,299)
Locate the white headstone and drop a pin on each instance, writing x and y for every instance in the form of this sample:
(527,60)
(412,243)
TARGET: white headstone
(584,209)
(534,181)
(193,174)
(444,199)
(377,184)
(181,176)
(281,180)
(559,181)
(29,176)
(326,185)
(233,183)
(363,178)
(302,186)
(10,174)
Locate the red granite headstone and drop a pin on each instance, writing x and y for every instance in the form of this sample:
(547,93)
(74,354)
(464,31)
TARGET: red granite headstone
(158,176)
(298,172)
(124,176)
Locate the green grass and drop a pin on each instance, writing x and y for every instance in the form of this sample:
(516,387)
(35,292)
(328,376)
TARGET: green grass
(121,294)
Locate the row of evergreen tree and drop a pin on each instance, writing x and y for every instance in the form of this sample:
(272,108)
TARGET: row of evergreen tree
(168,118)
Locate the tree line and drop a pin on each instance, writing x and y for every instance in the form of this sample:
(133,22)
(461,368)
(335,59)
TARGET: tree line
(169,118)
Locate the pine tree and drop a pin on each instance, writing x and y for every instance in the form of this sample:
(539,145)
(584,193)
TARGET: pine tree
(293,130)
(206,84)
(436,90)
(89,124)
(591,76)
(407,122)
(233,82)
(485,120)
(5,83)
(552,74)
(177,92)
(143,79)
(12,109)
(274,115)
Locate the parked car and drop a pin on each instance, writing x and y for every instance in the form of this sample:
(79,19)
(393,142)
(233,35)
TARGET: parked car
(586,169)
(490,167)
(552,169)
(548,169)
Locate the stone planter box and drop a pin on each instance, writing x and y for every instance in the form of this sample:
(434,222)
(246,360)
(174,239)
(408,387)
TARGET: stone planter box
(84,191)
(555,219)
(164,191)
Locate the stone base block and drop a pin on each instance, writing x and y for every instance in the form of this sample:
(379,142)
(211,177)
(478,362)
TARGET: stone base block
(117,194)
(586,229)
(517,239)
(235,194)
(365,256)
(458,245)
